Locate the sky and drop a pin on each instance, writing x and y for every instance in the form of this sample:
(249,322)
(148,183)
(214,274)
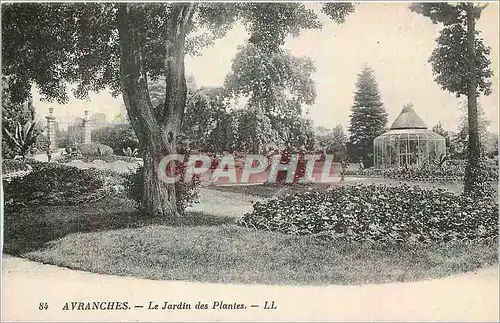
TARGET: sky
(395,42)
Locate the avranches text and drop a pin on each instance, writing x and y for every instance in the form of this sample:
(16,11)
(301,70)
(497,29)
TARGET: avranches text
(95,306)
(105,306)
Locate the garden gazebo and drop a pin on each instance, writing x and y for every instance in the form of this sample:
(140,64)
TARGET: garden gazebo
(408,142)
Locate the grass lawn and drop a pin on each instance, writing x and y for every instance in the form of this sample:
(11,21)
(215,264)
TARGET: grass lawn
(267,191)
(262,190)
(110,237)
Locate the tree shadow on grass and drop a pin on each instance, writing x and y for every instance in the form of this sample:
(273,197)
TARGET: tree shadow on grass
(30,229)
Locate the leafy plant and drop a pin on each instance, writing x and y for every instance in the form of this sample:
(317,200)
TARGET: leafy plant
(378,213)
(130,153)
(118,137)
(13,166)
(53,184)
(95,149)
(440,170)
(24,137)
(440,160)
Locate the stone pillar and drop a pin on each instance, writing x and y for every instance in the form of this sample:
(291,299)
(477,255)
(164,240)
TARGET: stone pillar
(87,128)
(51,130)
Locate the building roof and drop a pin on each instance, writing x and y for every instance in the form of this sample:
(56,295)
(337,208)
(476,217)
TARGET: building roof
(408,119)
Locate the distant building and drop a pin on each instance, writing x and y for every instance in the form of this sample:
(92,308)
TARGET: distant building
(98,120)
(408,142)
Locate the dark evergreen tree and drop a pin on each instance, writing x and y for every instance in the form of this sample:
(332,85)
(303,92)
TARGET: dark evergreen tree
(368,118)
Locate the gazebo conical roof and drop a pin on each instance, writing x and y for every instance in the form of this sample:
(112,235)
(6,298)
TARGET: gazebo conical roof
(408,119)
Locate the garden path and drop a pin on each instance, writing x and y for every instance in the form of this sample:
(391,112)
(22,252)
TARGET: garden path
(472,297)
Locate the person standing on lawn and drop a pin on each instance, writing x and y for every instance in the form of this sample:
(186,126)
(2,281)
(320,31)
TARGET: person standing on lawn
(49,155)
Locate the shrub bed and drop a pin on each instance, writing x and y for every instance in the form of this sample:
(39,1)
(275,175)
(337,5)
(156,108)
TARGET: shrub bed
(95,149)
(105,158)
(55,184)
(14,165)
(378,213)
(453,171)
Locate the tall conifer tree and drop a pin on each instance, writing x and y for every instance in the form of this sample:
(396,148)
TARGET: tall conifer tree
(368,118)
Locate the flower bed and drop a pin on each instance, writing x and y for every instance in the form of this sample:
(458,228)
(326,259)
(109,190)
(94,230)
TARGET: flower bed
(378,213)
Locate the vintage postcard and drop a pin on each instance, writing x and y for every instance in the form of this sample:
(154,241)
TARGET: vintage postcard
(250,161)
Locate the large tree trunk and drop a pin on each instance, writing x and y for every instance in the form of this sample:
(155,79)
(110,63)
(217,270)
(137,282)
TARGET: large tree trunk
(472,171)
(156,128)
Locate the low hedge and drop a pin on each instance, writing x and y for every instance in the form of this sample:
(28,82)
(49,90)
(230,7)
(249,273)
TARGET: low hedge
(14,165)
(378,213)
(106,158)
(56,184)
(451,172)
(95,149)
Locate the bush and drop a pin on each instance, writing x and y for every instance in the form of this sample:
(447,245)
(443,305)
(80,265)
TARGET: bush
(53,184)
(89,159)
(13,166)
(396,214)
(451,171)
(95,149)
(118,137)
(186,193)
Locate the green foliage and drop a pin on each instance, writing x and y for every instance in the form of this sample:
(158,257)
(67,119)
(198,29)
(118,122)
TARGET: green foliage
(276,84)
(477,187)
(265,76)
(130,153)
(452,149)
(441,170)
(24,137)
(338,143)
(378,213)
(94,149)
(462,137)
(118,137)
(115,45)
(55,44)
(13,166)
(204,119)
(450,63)
(338,11)
(449,60)
(52,184)
(268,24)
(90,159)
(69,137)
(13,114)
(368,118)
(462,66)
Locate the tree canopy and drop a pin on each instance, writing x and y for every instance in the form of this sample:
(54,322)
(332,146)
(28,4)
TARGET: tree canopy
(461,65)
(123,47)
